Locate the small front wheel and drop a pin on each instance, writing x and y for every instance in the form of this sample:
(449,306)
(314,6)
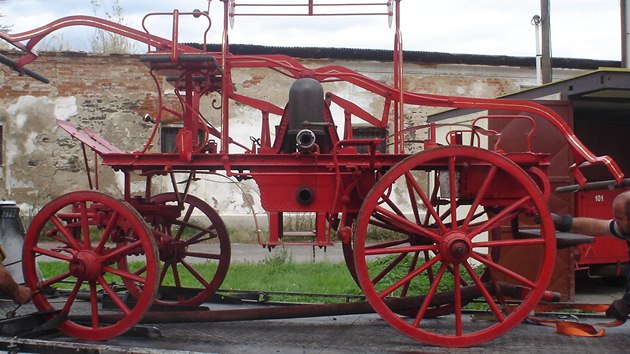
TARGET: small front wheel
(79,239)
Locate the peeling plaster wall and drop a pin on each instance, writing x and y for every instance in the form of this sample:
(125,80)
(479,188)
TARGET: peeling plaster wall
(41,161)
(110,94)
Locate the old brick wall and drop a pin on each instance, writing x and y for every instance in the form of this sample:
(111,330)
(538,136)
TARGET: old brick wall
(111,94)
(41,161)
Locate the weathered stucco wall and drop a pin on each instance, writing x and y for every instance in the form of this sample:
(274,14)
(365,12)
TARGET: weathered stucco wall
(41,161)
(111,94)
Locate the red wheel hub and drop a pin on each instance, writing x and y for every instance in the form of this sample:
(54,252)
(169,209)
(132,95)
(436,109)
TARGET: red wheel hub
(183,240)
(172,251)
(456,247)
(85,266)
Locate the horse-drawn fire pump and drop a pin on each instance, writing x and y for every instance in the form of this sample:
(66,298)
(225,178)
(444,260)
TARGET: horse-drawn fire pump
(452,211)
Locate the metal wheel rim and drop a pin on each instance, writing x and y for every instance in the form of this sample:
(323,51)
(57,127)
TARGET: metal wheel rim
(224,255)
(141,241)
(459,338)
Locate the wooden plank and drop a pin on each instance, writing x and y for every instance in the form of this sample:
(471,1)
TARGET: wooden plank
(89,138)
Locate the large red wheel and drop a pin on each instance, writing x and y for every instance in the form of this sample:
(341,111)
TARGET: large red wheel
(197,238)
(85,234)
(443,245)
(433,311)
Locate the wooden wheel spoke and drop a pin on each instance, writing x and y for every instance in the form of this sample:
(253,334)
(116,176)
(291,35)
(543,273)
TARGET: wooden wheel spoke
(198,239)
(412,197)
(429,297)
(504,270)
(386,244)
(94,305)
(452,190)
(114,297)
(56,279)
(61,240)
(412,266)
(471,225)
(406,225)
(393,205)
(407,278)
(382,223)
(85,225)
(185,219)
(506,243)
(195,273)
(141,270)
(163,272)
(427,202)
(176,278)
(451,268)
(125,274)
(71,297)
(53,254)
(457,287)
(113,223)
(389,268)
(69,238)
(122,251)
(444,215)
(432,201)
(479,197)
(396,250)
(484,292)
(204,255)
(501,217)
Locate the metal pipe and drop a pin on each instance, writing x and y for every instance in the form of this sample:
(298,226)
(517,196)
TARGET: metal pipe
(305,139)
(625,36)
(399,305)
(295,311)
(547,74)
(226,81)
(536,22)
(609,184)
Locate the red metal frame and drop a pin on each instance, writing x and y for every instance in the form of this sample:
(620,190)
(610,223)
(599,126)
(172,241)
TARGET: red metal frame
(330,178)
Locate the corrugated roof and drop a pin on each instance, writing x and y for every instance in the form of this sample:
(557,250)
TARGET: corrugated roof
(412,56)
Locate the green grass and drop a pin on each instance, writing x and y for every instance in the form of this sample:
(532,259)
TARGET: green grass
(280,274)
(275,274)
(312,278)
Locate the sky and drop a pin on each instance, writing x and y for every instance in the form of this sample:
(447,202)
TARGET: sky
(588,29)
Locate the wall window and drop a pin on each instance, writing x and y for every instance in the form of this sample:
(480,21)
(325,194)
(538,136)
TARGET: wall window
(370,133)
(167,139)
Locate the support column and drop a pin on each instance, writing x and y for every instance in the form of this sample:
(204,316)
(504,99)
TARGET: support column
(625,36)
(546,42)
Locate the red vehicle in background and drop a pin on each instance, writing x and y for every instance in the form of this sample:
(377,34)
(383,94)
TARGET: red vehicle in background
(607,256)
(590,105)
